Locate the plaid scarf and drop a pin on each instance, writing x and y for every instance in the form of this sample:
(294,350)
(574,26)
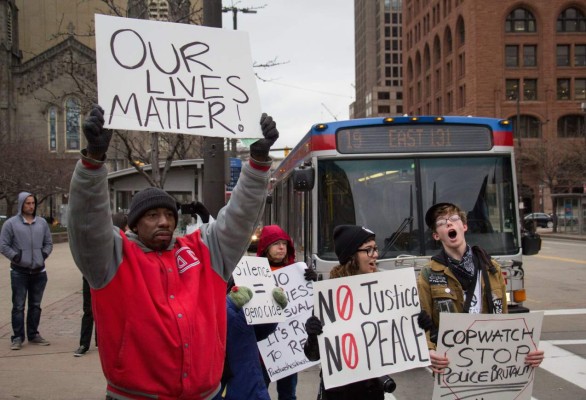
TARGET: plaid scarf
(463,269)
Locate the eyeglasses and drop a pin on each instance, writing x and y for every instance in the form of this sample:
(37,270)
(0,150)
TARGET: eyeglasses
(369,251)
(444,221)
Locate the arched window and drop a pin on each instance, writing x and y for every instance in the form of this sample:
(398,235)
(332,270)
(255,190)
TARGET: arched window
(529,127)
(52,127)
(448,43)
(571,20)
(571,126)
(426,58)
(461,29)
(159,10)
(72,124)
(418,64)
(519,21)
(437,50)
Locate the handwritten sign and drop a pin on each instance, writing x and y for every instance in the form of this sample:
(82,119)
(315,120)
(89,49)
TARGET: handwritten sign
(370,326)
(282,351)
(170,77)
(487,356)
(255,273)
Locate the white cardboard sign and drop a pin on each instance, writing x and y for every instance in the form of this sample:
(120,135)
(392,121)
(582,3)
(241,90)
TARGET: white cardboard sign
(487,356)
(172,77)
(370,326)
(255,273)
(282,351)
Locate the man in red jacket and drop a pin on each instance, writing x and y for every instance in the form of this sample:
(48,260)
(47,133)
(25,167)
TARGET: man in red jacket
(159,301)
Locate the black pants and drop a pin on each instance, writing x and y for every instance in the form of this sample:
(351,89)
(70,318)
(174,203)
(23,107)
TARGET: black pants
(87,321)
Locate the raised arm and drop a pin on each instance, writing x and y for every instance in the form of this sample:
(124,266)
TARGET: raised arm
(91,236)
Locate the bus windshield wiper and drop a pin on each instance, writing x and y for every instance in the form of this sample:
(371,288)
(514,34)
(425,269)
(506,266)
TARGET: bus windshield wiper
(395,236)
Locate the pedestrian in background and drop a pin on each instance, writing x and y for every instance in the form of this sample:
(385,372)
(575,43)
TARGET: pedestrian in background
(119,220)
(357,253)
(159,301)
(26,241)
(276,245)
(459,279)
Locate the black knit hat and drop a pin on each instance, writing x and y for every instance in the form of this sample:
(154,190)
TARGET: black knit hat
(348,238)
(429,215)
(147,199)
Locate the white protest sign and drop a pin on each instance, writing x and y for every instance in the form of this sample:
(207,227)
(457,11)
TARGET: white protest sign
(487,355)
(171,77)
(370,326)
(255,273)
(282,351)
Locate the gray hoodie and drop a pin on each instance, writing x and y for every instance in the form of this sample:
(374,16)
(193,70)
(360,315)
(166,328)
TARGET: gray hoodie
(26,245)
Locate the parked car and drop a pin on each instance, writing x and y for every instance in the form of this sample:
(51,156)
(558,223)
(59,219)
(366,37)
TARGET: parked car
(542,220)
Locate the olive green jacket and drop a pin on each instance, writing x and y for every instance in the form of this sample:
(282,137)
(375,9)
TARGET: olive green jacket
(439,289)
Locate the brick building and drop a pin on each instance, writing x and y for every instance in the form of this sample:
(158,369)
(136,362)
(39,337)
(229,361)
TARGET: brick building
(525,61)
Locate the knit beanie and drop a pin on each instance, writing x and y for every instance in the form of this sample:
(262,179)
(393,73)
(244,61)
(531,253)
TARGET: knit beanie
(348,238)
(148,199)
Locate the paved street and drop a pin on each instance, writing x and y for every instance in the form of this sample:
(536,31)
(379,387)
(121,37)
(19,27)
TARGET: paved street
(52,372)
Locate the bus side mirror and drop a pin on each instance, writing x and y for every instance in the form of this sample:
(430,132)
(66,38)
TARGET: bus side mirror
(303,178)
(531,244)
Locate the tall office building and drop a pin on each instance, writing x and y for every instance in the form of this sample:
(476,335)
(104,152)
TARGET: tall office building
(524,61)
(378,58)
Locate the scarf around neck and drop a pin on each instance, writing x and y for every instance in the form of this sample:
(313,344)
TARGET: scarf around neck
(463,269)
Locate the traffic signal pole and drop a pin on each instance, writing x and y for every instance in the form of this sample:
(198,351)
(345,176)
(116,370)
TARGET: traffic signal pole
(214,184)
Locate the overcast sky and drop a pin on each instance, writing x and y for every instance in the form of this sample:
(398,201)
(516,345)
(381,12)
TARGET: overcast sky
(316,40)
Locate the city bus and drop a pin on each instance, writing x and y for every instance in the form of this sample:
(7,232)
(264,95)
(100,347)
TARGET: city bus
(384,173)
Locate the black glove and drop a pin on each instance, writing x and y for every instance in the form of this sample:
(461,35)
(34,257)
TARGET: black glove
(17,257)
(45,255)
(202,211)
(310,274)
(313,326)
(259,150)
(98,138)
(424,321)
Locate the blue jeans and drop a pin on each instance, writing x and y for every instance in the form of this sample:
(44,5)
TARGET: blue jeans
(23,286)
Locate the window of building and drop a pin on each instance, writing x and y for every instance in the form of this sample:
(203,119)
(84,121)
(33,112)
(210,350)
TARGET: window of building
(529,56)
(384,95)
(461,31)
(580,89)
(437,50)
(580,55)
(529,127)
(530,89)
(563,89)
(72,124)
(426,58)
(9,24)
(520,20)
(512,56)
(449,102)
(384,109)
(571,20)
(462,96)
(448,41)
(563,55)
(52,126)
(449,72)
(571,126)
(512,89)
(462,64)
(159,10)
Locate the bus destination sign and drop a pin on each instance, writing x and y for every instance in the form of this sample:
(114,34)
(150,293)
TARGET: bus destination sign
(410,138)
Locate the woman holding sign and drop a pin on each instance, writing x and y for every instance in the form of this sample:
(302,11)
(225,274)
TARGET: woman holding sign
(277,247)
(357,253)
(460,279)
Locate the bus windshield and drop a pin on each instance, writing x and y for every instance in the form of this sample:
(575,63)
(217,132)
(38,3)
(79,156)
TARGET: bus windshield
(391,196)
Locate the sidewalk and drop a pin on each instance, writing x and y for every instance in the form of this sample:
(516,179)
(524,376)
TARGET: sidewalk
(547,233)
(52,372)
